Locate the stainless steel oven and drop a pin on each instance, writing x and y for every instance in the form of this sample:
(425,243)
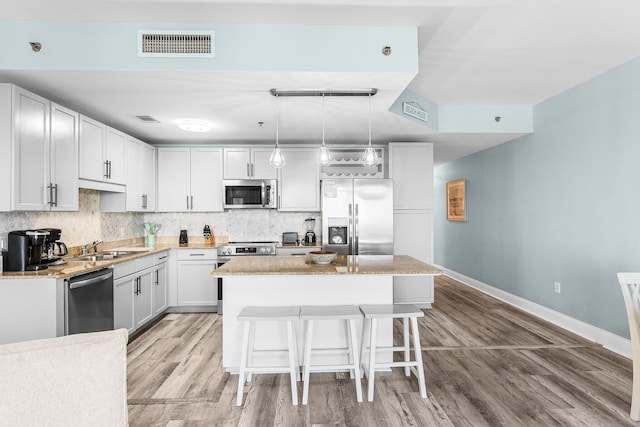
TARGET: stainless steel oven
(88,300)
(233,249)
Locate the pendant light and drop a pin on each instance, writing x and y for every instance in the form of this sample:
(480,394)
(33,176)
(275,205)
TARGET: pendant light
(323,158)
(277,158)
(370,157)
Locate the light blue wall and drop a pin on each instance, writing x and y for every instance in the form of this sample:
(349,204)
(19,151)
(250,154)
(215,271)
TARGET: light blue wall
(561,204)
(113,46)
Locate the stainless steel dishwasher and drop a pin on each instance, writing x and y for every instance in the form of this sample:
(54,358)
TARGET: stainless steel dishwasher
(88,301)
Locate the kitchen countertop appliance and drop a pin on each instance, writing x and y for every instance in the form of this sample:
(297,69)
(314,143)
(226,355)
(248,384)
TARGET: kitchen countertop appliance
(250,193)
(88,302)
(52,242)
(290,238)
(310,235)
(233,249)
(25,250)
(357,216)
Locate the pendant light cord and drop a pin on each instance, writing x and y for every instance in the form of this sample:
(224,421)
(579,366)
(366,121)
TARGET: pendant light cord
(369,119)
(277,122)
(323,119)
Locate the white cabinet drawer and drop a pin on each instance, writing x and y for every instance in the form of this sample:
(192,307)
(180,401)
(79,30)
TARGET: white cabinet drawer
(297,250)
(160,257)
(197,254)
(124,269)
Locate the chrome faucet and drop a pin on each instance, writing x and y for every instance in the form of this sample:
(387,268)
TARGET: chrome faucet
(95,244)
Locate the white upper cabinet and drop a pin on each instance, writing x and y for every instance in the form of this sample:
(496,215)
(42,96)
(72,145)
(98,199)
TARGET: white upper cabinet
(102,152)
(190,179)
(299,181)
(141,176)
(206,179)
(248,163)
(43,138)
(63,159)
(148,176)
(411,168)
(174,178)
(115,155)
(92,142)
(32,115)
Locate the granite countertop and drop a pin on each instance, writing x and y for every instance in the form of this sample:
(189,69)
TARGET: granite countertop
(395,265)
(72,268)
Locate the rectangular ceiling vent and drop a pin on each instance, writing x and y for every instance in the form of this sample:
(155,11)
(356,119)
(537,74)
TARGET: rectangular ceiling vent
(176,44)
(148,119)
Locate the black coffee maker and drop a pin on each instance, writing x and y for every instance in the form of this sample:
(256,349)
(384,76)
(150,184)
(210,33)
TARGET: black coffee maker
(25,250)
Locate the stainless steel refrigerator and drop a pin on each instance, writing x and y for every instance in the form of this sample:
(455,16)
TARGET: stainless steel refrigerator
(357,216)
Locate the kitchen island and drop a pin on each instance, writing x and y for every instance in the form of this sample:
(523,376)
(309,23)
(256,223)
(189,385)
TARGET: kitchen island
(296,280)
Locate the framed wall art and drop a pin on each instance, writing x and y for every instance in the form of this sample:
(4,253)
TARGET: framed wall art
(456,201)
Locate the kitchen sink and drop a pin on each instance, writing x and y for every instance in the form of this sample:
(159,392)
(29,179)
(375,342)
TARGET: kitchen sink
(104,256)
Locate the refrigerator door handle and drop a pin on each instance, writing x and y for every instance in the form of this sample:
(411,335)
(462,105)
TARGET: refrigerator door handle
(356,232)
(350,233)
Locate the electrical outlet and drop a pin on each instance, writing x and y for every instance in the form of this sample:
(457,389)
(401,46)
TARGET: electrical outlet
(121,231)
(556,287)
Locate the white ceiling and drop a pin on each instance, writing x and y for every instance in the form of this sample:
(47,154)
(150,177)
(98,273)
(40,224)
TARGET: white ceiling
(482,52)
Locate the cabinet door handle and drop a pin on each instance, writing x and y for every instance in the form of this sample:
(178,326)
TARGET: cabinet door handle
(106,169)
(248,169)
(50,188)
(187,202)
(196,254)
(191,202)
(253,169)
(55,200)
(163,257)
(144,201)
(157,277)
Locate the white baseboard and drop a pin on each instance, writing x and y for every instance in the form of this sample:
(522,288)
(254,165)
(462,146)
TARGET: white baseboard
(610,341)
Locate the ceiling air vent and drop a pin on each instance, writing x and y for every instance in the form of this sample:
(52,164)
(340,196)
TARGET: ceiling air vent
(148,119)
(176,44)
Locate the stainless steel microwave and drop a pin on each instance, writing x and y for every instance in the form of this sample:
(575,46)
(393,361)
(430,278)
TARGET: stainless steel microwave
(250,193)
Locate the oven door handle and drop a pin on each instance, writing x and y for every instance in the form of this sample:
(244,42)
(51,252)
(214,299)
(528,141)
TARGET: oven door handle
(92,281)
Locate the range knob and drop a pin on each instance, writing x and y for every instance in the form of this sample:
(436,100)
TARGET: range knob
(263,250)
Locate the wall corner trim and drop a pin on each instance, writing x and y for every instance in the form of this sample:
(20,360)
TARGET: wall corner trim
(608,340)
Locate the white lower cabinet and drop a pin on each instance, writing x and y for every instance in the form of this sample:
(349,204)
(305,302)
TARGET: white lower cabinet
(143,297)
(196,287)
(123,303)
(140,291)
(413,236)
(160,299)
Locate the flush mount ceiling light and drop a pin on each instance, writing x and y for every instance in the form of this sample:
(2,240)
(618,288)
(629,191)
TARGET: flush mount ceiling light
(277,158)
(195,126)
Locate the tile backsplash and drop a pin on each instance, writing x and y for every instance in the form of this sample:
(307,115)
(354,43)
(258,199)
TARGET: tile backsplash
(88,223)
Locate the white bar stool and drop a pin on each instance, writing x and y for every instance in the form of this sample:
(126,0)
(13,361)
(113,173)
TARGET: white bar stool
(251,315)
(630,284)
(348,313)
(406,312)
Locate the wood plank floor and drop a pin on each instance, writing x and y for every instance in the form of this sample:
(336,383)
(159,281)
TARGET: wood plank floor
(486,364)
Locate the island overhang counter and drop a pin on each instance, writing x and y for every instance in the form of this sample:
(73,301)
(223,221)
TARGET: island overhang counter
(296,280)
